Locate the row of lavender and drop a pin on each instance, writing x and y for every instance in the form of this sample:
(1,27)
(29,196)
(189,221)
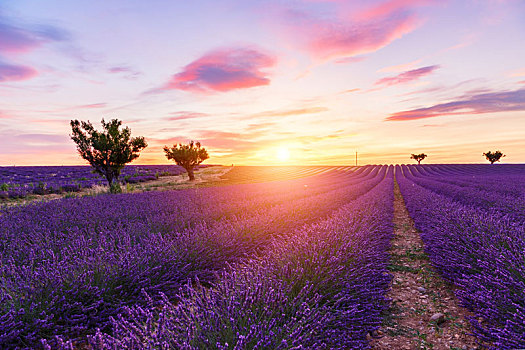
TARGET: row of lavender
(20,181)
(68,266)
(472,221)
(322,287)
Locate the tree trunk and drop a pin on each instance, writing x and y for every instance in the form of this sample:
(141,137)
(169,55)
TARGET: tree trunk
(418,162)
(109,177)
(190,173)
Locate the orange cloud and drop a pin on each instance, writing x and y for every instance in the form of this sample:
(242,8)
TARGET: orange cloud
(290,112)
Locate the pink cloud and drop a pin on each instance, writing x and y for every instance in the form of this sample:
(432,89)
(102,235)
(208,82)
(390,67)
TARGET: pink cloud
(120,70)
(338,39)
(344,34)
(407,76)
(493,102)
(386,8)
(223,70)
(353,59)
(186,115)
(16,40)
(9,72)
(93,105)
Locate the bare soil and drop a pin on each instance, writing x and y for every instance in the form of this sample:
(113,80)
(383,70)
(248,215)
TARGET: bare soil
(417,294)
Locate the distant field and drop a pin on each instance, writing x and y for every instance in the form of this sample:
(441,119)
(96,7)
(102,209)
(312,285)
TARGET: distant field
(22,181)
(252,174)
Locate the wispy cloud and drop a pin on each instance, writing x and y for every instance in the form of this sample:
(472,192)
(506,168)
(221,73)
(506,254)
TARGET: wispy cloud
(400,67)
(290,112)
(127,72)
(214,134)
(257,126)
(4,115)
(92,105)
(407,76)
(343,36)
(224,70)
(47,139)
(385,8)
(493,102)
(181,115)
(11,72)
(19,38)
(36,145)
(353,59)
(16,38)
(349,91)
(518,73)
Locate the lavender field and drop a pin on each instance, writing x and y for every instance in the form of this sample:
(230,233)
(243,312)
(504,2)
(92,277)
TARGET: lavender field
(296,263)
(21,181)
(472,221)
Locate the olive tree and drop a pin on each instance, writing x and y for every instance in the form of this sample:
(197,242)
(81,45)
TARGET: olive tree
(187,156)
(107,151)
(493,157)
(418,157)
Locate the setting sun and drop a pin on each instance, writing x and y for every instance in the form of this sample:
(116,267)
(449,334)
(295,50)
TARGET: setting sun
(283,154)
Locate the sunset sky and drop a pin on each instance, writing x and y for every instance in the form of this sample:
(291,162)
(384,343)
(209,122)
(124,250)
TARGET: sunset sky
(253,80)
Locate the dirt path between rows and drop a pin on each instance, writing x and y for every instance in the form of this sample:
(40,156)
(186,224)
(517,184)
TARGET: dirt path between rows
(418,297)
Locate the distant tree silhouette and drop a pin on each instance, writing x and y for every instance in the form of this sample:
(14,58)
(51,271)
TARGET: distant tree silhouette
(187,156)
(493,157)
(418,157)
(107,151)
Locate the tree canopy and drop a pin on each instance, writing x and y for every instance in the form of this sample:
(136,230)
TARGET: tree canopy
(493,157)
(107,151)
(187,156)
(418,157)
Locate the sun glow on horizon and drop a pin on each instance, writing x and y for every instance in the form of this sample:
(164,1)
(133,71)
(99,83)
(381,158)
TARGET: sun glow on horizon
(283,154)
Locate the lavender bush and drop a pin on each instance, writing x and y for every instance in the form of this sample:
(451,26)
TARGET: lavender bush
(20,181)
(321,287)
(477,241)
(67,266)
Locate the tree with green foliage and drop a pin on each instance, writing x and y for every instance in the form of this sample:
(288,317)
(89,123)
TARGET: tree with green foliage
(493,157)
(418,157)
(107,151)
(187,156)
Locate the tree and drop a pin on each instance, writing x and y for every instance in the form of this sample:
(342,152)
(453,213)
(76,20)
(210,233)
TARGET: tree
(107,151)
(493,157)
(187,156)
(418,157)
